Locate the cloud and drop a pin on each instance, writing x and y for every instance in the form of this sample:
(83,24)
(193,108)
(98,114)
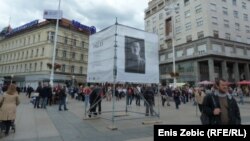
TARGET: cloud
(99,13)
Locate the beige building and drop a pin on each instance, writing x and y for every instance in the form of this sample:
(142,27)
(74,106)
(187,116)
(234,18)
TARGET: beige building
(212,38)
(26,52)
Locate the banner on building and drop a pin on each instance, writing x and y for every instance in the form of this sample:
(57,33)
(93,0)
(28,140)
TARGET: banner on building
(52,14)
(137,56)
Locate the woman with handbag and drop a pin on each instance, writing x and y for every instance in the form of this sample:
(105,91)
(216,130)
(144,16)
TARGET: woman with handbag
(8,104)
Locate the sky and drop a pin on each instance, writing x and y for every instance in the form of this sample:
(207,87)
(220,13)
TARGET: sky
(98,13)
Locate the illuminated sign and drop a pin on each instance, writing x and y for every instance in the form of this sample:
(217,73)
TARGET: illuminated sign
(23,27)
(78,25)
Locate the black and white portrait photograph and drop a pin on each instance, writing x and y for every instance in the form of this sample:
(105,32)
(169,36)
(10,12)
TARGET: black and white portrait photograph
(134,55)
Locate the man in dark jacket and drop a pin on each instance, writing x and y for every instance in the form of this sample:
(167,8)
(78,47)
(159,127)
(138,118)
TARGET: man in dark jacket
(62,97)
(149,97)
(220,107)
(94,99)
(37,100)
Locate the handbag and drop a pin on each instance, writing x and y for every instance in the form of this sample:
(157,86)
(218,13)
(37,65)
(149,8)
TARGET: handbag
(205,120)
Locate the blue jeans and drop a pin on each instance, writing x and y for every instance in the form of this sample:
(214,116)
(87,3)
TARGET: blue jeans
(86,100)
(129,99)
(44,102)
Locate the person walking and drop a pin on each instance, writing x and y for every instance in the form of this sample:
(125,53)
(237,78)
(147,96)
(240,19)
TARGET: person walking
(8,105)
(62,98)
(177,100)
(37,100)
(199,97)
(149,97)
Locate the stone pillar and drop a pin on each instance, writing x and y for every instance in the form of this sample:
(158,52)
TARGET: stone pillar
(196,71)
(247,71)
(224,70)
(211,69)
(236,72)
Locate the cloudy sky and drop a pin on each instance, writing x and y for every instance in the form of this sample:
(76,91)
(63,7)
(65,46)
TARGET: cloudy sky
(99,13)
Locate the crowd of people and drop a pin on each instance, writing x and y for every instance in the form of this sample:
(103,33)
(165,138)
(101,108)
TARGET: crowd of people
(216,103)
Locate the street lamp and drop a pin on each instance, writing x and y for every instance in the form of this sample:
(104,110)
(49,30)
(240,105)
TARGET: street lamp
(169,10)
(54,50)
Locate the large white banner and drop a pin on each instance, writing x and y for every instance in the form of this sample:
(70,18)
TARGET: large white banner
(101,56)
(137,56)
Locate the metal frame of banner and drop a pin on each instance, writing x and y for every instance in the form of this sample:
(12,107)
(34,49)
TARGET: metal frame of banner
(112,126)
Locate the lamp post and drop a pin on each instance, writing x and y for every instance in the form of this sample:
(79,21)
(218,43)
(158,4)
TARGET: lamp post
(172,10)
(54,49)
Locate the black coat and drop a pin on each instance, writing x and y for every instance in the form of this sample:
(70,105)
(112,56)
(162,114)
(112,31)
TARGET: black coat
(233,109)
(149,95)
(95,95)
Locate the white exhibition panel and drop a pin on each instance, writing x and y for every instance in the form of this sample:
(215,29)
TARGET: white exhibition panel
(137,56)
(101,56)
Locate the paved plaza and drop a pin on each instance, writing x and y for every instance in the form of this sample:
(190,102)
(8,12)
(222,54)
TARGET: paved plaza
(53,125)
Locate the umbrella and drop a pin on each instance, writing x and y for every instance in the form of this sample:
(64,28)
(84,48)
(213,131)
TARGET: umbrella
(206,83)
(244,82)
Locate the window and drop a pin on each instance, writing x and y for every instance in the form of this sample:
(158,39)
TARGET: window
(214,20)
(41,65)
(226,23)
(212,7)
(234,2)
(34,38)
(186,2)
(179,53)
(170,55)
(202,49)
(80,70)
(74,42)
(178,30)
(225,12)
(199,22)
(37,50)
(227,36)
(216,48)
(240,51)
(72,69)
(63,68)
(237,26)
(190,51)
(83,44)
(248,40)
(27,53)
(42,51)
(245,17)
(238,38)
(35,66)
(39,37)
(160,16)
(65,40)
(200,34)
(189,38)
(73,55)
(64,54)
(32,53)
(244,5)
(216,33)
(178,19)
(82,57)
(188,26)
(162,57)
(187,14)
(198,9)
(236,14)
(247,29)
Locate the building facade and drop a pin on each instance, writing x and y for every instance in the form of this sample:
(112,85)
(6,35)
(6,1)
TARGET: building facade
(211,38)
(26,53)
